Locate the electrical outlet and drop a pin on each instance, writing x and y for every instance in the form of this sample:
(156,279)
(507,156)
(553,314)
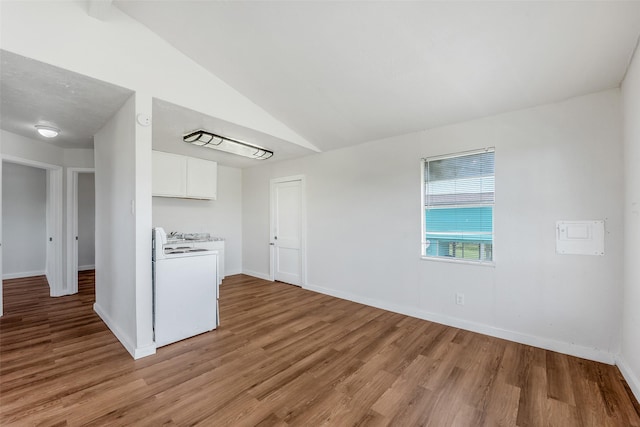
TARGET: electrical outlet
(459,298)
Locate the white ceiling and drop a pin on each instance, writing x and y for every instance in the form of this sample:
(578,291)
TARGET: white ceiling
(33,92)
(171,122)
(342,73)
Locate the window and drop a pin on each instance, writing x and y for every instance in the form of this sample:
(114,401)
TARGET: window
(459,194)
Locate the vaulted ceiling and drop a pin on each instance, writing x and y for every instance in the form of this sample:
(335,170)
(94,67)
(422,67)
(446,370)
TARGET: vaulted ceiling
(342,73)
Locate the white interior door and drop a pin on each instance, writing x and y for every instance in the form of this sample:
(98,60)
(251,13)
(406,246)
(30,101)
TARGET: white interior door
(72,232)
(53,241)
(1,302)
(54,268)
(72,227)
(287,238)
(50,265)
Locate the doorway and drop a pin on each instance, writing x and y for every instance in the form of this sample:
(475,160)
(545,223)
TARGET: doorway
(52,225)
(288,230)
(80,224)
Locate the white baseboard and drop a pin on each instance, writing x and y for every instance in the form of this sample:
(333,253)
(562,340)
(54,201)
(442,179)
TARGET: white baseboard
(23,274)
(631,378)
(256,274)
(141,352)
(136,353)
(124,340)
(232,272)
(545,343)
(86,267)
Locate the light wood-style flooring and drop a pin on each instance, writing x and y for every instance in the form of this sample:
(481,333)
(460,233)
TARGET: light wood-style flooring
(286,356)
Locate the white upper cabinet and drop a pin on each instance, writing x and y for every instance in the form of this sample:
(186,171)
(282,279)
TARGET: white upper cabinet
(202,178)
(169,173)
(185,177)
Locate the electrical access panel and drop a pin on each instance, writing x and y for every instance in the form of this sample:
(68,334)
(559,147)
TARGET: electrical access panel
(580,237)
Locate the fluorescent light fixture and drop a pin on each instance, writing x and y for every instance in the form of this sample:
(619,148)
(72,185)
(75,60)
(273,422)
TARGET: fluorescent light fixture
(47,131)
(203,138)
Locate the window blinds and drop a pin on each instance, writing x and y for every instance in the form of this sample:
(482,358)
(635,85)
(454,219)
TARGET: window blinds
(459,198)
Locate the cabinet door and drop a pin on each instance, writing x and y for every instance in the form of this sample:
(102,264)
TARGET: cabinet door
(169,172)
(202,178)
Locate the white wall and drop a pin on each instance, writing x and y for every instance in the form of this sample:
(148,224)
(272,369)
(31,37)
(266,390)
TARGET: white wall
(122,51)
(39,151)
(78,157)
(24,196)
(18,146)
(86,221)
(555,162)
(115,224)
(124,295)
(145,345)
(630,356)
(221,217)
(31,149)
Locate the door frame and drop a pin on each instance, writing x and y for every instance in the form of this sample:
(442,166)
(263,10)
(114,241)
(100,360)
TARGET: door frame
(72,227)
(54,212)
(303,226)
(1,292)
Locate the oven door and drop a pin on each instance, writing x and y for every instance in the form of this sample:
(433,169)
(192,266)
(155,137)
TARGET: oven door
(185,297)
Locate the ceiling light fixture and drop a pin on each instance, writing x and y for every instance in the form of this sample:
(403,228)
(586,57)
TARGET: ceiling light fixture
(203,138)
(47,131)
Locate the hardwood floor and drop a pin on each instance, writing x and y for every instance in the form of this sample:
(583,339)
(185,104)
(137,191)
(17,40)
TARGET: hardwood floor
(286,356)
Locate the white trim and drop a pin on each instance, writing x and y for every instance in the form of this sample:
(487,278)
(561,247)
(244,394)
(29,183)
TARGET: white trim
(423,225)
(141,352)
(303,226)
(72,268)
(121,336)
(629,376)
(536,341)
(22,274)
(136,353)
(459,154)
(27,162)
(232,272)
(458,261)
(86,267)
(423,231)
(264,276)
(1,271)
(72,221)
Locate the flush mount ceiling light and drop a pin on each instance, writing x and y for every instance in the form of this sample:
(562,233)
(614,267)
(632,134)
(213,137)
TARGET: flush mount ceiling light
(47,131)
(207,139)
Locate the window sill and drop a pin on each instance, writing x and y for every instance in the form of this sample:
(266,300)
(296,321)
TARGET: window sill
(458,261)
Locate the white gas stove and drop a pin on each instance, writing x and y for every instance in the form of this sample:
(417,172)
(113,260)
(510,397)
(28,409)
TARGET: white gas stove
(185,288)
(190,244)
